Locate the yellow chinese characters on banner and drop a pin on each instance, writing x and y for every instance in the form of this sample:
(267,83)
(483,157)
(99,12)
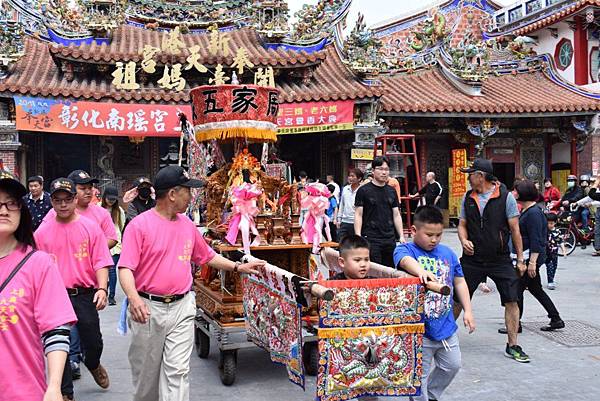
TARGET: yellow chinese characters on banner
(458,180)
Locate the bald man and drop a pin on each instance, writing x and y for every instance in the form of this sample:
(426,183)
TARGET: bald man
(431,192)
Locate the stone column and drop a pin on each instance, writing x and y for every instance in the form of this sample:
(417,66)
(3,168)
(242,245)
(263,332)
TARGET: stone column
(9,145)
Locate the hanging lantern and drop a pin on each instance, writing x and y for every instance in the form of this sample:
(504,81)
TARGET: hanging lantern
(226,112)
(137,140)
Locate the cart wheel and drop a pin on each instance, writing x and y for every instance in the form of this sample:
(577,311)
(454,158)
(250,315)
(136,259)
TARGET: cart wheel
(227,367)
(202,344)
(311,358)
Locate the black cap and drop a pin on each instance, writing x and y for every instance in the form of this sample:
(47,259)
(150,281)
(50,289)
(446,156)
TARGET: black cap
(111,193)
(10,182)
(63,184)
(82,177)
(142,180)
(172,176)
(36,178)
(482,165)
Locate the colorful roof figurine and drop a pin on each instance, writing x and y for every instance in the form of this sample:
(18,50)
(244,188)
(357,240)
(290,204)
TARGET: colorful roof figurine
(11,42)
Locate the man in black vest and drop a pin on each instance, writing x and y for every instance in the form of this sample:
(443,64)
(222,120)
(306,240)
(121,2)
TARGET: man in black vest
(488,218)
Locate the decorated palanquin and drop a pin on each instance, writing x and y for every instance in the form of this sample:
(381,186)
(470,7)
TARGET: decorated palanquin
(247,209)
(371,338)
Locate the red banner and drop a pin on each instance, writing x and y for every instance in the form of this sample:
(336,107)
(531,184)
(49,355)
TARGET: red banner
(215,104)
(94,118)
(297,118)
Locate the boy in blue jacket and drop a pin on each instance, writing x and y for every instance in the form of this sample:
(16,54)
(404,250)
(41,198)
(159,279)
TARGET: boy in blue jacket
(440,343)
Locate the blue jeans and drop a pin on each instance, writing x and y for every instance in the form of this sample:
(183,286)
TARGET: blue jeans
(75,347)
(112,277)
(585,217)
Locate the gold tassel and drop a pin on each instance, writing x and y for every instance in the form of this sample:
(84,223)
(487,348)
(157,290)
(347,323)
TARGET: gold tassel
(355,332)
(263,135)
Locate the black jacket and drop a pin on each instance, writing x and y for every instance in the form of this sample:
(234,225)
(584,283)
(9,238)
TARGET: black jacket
(572,195)
(489,233)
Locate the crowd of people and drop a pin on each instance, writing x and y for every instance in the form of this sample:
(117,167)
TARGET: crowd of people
(62,251)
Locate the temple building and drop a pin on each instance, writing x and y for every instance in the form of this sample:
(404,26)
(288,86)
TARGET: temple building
(101,86)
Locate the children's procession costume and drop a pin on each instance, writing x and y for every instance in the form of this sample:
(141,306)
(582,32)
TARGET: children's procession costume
(370,339)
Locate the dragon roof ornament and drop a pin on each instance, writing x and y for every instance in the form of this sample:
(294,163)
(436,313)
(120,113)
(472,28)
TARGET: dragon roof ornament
(11,42)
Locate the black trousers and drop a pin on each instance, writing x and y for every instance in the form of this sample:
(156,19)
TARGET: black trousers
(345,230)
(88,324)
(534,285)
(382,251)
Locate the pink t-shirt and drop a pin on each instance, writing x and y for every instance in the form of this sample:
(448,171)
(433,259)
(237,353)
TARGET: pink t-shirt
(79,248)
(33,303)
(159,251)
(95,213)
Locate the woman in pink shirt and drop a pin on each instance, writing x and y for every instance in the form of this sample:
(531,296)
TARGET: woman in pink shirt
(35,312)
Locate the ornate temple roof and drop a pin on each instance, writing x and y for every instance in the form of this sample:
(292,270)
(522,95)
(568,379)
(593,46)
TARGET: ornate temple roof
(127,43)
(430,92)
(36,74)
(518,20)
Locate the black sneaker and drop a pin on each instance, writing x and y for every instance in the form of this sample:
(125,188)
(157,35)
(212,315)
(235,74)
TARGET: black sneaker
(503,330)
(516,352)
(75,371)
(554,325)
(111,301)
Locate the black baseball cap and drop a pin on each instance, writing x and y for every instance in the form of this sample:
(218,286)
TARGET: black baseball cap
(63,184)
(10,182)
(111,193)
(482,165)
(142,180)
(172,176)
(81,177)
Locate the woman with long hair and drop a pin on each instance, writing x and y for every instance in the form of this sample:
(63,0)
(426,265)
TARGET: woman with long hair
(39,315)
(110,201)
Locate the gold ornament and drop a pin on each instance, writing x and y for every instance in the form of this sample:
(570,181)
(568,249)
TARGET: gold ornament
(124,76)
(148,64)
(265,78)
(241,61)
(219,43)
(172,43)
(220,77)
(193,60)
(174,80)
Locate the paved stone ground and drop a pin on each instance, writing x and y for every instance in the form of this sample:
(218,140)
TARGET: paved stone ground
(556,372)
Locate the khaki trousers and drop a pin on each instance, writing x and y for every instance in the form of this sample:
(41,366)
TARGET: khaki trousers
(160,351)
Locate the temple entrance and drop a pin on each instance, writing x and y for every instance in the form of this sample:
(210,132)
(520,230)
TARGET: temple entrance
(65,153)
(505,172)
(303,151)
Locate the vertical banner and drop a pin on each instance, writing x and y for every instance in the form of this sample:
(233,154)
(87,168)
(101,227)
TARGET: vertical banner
(458,180)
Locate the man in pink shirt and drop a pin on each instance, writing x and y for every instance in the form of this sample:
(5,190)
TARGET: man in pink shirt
(79,248)
(84,184)
(86,207)
(155,272)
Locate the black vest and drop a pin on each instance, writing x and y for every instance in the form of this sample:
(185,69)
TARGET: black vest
(488,233)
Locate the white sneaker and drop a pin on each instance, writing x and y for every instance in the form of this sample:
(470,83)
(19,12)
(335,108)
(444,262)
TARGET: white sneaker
(551,286)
